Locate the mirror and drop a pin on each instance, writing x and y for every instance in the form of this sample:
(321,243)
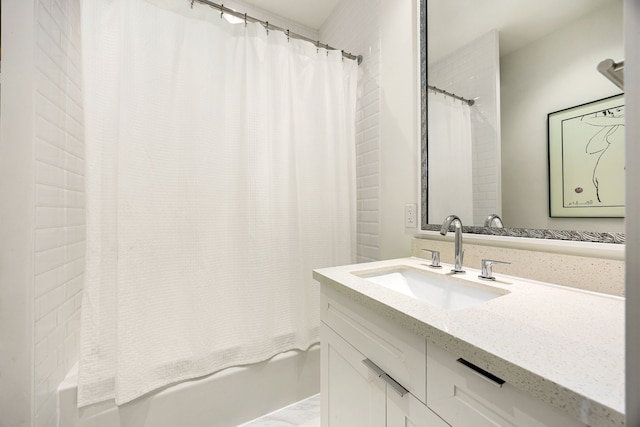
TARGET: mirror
(518,61)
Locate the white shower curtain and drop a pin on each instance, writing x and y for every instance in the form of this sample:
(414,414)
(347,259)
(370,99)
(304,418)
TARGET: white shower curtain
(220,172)
(450,159)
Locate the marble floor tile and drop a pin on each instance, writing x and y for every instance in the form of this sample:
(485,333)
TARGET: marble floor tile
(305,413)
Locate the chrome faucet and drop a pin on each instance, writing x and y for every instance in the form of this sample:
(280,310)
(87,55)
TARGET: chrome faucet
(459,253)
(493,219)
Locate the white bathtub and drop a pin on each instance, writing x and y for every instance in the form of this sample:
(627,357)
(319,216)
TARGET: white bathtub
(227,398)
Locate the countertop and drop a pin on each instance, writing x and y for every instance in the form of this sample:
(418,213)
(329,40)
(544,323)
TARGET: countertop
(562,345)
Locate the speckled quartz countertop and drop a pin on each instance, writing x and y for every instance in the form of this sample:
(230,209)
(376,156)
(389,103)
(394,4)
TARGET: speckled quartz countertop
(563,345)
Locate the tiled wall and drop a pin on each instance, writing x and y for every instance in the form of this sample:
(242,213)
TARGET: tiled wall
(354,27)
(59,231)
(473,72)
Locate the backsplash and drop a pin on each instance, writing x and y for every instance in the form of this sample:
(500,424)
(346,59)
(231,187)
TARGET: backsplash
(584,272)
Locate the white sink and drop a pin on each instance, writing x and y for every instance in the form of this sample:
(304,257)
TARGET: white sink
(441,290)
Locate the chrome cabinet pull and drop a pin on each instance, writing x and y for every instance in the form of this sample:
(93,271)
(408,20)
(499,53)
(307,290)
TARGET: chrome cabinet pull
(372,366)
(496,381)
(394,385)
(385,377)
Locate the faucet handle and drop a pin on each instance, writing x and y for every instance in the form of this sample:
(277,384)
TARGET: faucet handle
(487,274)
(435,258)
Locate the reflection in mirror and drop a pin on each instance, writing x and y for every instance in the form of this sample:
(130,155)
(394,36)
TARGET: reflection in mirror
(518,61)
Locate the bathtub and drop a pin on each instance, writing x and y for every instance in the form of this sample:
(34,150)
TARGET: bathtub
(227,398)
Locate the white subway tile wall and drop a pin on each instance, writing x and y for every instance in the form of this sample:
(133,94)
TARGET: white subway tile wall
(59,235)
(473,72)
(354,27)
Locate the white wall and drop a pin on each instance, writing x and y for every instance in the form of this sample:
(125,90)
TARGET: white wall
(384,32)
(399,123)
(16,222)
(43,232)
(551,74)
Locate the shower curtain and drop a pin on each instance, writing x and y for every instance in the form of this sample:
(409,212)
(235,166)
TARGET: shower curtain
(220,172)
(450,169)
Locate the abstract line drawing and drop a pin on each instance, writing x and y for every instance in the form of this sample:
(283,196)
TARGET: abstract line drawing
(586,160)
(608,123)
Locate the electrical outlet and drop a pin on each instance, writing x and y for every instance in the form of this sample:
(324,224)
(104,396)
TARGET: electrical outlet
(410,215)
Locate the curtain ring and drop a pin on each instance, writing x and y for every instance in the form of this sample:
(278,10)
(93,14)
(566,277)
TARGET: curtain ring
(267,27)
(245,20)
(287,35)
(192,3)
(318,46)
(221,10)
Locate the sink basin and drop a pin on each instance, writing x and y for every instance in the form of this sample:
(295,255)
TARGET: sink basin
(441,290)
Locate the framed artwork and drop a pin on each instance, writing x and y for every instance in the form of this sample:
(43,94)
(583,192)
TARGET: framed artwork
(586,160)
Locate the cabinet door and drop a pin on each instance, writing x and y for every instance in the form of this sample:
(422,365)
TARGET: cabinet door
(352,395)
(407,411)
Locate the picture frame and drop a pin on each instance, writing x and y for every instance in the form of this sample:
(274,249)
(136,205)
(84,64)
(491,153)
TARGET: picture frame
(586,160)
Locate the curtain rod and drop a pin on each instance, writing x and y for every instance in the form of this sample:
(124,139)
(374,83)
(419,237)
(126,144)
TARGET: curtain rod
(268,26)
(452,95)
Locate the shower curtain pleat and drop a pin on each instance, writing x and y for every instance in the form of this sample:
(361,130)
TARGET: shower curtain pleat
(220,172)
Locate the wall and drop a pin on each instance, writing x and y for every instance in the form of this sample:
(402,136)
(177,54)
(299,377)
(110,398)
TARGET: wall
(384,32)
(16,223)
(554,73)
(473,72)
(44,143)
(399,123)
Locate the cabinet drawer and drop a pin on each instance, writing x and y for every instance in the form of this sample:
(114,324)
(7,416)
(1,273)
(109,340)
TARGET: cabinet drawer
(464,397)
(400,353)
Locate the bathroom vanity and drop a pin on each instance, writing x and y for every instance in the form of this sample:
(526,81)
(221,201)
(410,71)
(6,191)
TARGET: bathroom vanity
(468,352)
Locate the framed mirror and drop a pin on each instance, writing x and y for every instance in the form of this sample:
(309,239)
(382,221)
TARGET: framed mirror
(503,66)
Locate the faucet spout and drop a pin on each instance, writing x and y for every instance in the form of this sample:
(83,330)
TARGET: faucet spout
(458,252)
(493,219)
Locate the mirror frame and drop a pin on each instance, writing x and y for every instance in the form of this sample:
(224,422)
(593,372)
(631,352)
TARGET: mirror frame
(582,236)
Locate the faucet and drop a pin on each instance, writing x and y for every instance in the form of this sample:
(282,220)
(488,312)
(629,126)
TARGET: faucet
(493,218)
(459,253)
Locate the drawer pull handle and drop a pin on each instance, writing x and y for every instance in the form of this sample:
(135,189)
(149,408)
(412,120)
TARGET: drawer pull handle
(385,377)
(482,373)
(372,366)
(395,385)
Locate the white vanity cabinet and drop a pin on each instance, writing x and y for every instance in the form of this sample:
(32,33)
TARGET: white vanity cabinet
(376,373)
(373,372)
